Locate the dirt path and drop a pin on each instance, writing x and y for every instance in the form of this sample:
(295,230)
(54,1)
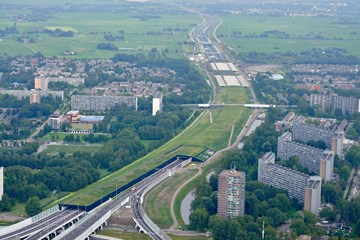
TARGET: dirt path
(172,204)
(349,183)
(231,135)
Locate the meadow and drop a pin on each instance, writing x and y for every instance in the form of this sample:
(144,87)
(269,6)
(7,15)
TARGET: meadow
(70,149)
(304,33)
(89,29)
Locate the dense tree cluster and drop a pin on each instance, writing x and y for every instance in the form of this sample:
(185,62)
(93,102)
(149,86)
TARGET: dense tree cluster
(107,46)
(59,33)
(196,89)
(20,125)
(112,38)
(314,56)
(262,204)
(350,213)
(28,175)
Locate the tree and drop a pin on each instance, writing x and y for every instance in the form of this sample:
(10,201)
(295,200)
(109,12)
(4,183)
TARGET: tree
(331,193)
(33,206)
(199,219)
(357,227)
(299,227)
(309,218)
(203,188)
(6,203)
(328,214)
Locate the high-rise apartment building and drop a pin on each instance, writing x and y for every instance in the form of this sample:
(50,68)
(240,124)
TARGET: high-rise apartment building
(333,102)
(305,132)
(41,84)
(306,189)
(100,103)
(1,182)
(318,161)
(35,98)
(157,103)
(231,194)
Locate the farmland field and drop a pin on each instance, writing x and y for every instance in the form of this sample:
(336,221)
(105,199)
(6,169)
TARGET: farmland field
(304,33)
(140,35)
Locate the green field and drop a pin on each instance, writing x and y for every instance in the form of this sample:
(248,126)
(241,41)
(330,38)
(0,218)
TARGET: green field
(70,149)
(347,34)
(158,200)
(89,28)
(196,138)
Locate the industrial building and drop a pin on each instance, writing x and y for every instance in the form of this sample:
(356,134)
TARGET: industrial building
(306,189)
(318,161)
(91,119)
(231,194)
(100,103)
(305,132)
(334,101)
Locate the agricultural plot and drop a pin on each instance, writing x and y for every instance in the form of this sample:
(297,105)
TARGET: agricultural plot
(136,35)
(248,33)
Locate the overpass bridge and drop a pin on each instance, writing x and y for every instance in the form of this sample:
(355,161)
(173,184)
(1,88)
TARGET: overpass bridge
(203,106)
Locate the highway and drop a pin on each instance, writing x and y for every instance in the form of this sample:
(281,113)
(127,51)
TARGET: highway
(203,34)
(86,224)
(136,214)
(54,226)
(42,225)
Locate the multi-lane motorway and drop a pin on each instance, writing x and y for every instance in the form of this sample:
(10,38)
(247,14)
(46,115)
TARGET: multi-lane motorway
(45,225)
(87,223)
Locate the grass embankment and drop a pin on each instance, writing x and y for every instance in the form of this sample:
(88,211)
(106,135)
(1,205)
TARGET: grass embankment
(214,136)
(197,137)
(158,200)
(89,27)
(304,33)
